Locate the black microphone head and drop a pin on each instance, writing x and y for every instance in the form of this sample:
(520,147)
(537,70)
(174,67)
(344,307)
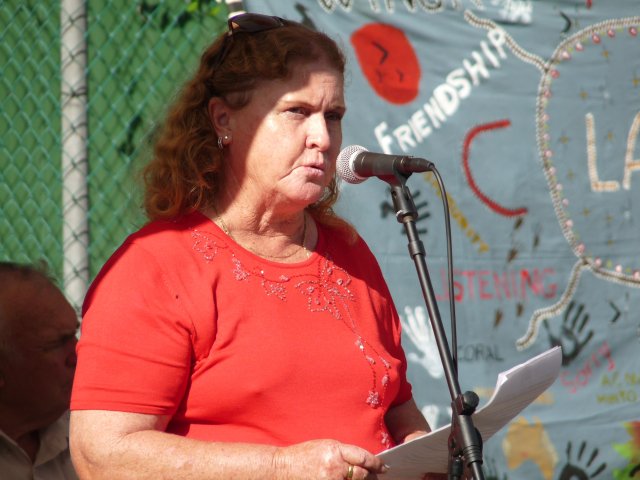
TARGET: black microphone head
(344,164)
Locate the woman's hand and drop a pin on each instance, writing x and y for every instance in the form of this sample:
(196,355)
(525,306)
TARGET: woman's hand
(326,459)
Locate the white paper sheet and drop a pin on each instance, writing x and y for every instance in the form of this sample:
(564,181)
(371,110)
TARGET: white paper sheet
(515,389)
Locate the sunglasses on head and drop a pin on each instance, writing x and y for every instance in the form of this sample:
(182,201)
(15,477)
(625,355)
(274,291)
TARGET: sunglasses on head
(246,23)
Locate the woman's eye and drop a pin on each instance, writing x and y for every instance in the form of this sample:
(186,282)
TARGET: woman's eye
(298,110)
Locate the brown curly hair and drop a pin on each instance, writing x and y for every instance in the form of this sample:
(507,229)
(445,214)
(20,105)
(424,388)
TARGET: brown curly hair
(186,171)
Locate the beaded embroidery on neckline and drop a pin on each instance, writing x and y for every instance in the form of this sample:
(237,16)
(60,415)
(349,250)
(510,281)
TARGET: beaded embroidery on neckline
(326,291)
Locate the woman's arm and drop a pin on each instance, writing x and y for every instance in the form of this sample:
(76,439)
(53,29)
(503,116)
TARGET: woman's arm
(119,445)
(405,422)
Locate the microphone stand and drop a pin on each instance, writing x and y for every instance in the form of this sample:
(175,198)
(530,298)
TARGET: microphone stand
(465,442)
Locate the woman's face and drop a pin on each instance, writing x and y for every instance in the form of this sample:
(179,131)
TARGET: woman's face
(285,141)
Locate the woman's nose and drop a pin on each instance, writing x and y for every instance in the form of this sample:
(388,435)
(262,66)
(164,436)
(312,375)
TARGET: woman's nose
(318,136)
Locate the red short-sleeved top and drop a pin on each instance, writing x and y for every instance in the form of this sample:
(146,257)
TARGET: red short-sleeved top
(182,321)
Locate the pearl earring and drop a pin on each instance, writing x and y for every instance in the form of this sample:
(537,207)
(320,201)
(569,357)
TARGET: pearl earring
(222,140)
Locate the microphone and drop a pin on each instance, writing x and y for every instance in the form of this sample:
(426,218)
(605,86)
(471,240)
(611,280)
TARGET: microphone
(355,164)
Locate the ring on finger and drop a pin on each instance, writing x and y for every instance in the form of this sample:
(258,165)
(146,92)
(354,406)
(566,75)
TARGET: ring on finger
(350,472)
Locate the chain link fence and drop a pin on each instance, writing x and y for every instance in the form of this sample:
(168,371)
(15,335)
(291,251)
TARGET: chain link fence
(82,84)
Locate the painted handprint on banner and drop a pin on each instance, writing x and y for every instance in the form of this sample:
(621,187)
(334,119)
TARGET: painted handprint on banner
(584,466)
(416,326)
(572,337)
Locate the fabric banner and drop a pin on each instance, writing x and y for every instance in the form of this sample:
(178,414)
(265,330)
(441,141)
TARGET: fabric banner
(530,111)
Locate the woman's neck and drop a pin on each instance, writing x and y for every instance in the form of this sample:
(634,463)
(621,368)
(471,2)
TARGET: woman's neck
(279,238)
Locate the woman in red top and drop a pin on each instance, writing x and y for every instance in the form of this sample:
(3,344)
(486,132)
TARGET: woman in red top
(246,331)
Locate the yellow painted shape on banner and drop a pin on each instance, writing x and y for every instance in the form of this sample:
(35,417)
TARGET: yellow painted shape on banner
(529,442)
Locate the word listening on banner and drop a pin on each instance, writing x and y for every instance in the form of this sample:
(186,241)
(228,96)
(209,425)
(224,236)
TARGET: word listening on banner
(505,285)
(446,97)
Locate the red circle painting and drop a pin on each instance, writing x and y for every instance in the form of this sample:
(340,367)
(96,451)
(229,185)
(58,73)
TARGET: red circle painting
(388,61)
